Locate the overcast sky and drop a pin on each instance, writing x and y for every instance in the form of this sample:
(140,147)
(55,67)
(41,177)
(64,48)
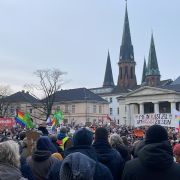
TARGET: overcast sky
(75,35)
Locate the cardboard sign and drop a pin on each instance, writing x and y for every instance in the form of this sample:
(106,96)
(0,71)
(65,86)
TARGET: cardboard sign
(32,137)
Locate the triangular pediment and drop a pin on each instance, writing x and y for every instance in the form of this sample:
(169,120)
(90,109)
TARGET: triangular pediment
(149,91)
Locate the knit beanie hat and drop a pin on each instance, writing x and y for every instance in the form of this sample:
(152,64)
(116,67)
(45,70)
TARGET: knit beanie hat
(156,134)
(82,137)
(45,144)
(176,149)
(101,133)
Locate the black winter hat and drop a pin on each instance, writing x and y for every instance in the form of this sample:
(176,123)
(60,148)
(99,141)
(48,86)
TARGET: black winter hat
(82,137)
(101,133)
(156,134)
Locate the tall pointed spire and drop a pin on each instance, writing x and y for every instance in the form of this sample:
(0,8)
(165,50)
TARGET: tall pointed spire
(152,68)
(126,49)
(108,78)
(144,72)
(127,75)
(152,72)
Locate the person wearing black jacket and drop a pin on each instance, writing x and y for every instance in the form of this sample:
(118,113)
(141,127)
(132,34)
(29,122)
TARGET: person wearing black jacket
(155,159)
(107,155)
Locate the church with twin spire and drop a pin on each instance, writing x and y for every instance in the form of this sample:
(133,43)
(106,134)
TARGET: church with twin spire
(127,98)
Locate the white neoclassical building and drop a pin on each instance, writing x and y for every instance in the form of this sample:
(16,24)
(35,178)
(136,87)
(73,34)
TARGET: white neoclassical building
(149,100)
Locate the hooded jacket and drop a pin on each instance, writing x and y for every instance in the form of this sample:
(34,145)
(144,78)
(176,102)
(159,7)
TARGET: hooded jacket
(84,149)
(8,172)
(154,162)
(41,163)
(77,166)
(109,157)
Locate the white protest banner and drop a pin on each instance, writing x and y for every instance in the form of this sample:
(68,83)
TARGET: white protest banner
(163,119)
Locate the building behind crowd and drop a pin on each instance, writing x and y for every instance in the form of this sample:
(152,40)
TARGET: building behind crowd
(127,98)
(79,106)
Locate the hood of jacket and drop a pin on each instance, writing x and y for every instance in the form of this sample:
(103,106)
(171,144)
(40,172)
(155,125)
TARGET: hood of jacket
(77,166)
(104,151)
(40,155)
(157,156)
(84,149)
(8,172)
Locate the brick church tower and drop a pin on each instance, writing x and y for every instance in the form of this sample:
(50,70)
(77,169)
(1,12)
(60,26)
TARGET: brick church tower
(127,75)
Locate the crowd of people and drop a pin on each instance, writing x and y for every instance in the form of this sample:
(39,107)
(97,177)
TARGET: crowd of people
(90,153)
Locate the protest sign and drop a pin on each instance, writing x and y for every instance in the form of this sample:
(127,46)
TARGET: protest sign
(32,137)
(7,122)
(163,119)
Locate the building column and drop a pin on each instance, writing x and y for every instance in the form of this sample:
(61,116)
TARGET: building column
(128,114)
(141,108)
(156,107)
(173,106)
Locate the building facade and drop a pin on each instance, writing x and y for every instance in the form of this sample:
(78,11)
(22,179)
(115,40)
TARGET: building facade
(127,98)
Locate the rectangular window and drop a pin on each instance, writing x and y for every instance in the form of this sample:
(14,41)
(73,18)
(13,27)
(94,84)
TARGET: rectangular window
(94,108)
(12,110)
(30,111)
(100,109)
(110,111)
(66,108)
(73,108)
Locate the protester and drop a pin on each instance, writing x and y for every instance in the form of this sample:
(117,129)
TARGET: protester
(77,166)
(176,152)
(42,128)
(54,141)
(62,138)
(82,141)
(137,146)
(106,154)
(116,142)
(41,162)
(155,159)
(10,161)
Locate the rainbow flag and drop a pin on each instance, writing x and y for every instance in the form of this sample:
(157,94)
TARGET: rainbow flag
(177,119)
(57,117)
(20,119)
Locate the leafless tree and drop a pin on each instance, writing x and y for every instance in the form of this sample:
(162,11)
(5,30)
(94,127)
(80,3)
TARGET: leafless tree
(5,91)
(50,81)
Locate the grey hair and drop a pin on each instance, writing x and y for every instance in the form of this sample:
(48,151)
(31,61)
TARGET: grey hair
(115,140)
(9,153)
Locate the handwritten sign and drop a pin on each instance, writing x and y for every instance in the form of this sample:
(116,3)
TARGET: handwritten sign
(163,119)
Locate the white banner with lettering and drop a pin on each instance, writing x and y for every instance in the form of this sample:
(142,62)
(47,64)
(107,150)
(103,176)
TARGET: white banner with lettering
(163,119)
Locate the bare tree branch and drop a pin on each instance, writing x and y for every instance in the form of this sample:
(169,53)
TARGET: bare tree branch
(50,81)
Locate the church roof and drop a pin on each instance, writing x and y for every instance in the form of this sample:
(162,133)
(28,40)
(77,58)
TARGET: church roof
(177,81)
(126,49)
(175,87)
(108,78)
